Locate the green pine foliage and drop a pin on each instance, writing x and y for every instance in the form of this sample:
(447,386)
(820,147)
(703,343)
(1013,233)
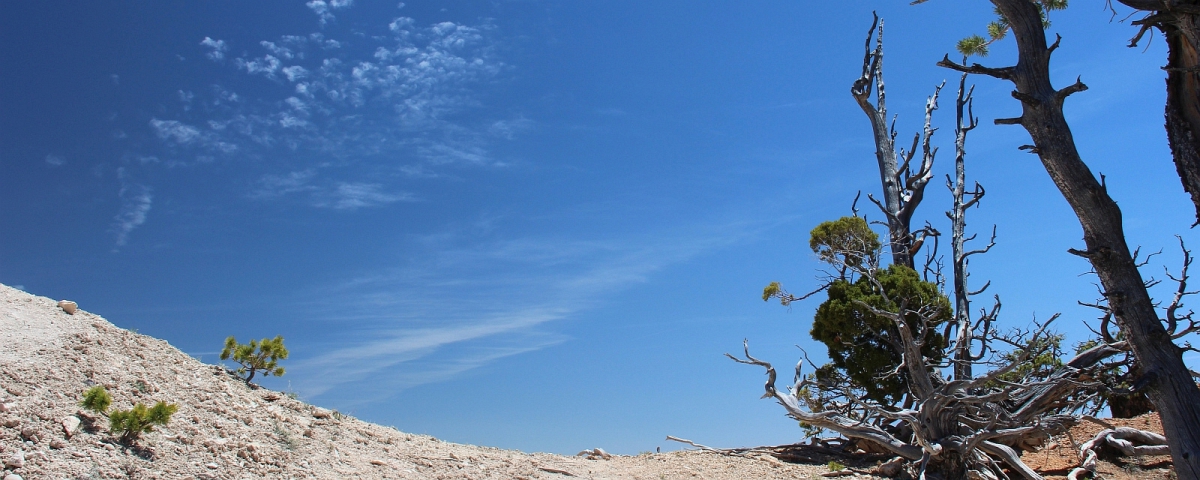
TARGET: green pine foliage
(847,241)
(973,45)
(131,424)
(1037,367)
(861,344)
(998,29)
(258,355)
(96,399)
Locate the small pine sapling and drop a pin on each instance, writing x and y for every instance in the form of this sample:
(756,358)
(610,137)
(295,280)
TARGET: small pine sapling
(131,424)
(96,399)
(256,356)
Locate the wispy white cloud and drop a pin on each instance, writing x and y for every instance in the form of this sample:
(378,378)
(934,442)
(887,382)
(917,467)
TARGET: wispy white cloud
(338,196)
(177,133)
(185,98)
(265,66)
(217,48)
(457,308)
(395,98)
(55,160)
(351,196)
(465,150)
(508,129)
(294,73)
(324,9)
(136,200)
(390,102)
(272,186)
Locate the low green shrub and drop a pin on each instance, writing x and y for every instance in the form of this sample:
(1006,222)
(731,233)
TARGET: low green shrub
(128,424)
(131,424)
(96,399)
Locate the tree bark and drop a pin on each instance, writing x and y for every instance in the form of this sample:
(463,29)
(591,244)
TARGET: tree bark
(1179,20)
(1167,380)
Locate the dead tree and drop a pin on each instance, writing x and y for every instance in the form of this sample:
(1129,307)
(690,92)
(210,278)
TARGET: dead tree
(964,425)
(903,188)
(954,427)
(1179,21)
(963,200)
(1167,380)
(948,428)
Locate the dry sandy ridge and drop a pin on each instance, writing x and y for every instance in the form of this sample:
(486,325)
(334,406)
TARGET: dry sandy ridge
(225,429)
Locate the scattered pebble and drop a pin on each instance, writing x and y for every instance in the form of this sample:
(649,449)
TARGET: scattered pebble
(70,425)
(17,460)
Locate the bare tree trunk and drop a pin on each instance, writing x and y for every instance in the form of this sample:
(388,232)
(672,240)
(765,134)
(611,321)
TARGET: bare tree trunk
(903,189)
(1168,381)
(963,200)
(1179,20)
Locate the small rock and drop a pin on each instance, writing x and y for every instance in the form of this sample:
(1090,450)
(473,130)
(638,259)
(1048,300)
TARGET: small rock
(377,462)
(771,460)
(30,433)
(7,407)
(212,466)
(594,454)
(57,443)
(321,413)
(70,425)
(68,306)
(891,468)
(17,460)
(12,423)
(12,476)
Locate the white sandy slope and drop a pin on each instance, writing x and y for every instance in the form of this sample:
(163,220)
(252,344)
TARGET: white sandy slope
(225,429)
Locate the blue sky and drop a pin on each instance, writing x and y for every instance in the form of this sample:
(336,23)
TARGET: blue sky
(523,224)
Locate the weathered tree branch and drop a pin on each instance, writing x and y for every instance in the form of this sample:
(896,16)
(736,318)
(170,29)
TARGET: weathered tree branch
(1170,386)
(903,189)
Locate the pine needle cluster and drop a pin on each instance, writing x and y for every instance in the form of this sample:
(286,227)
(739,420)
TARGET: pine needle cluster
(998,29)
(128,424)
(131,424)
(258,355)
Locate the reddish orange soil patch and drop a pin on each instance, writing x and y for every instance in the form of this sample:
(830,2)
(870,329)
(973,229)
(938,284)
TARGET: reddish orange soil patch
(1061,454)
